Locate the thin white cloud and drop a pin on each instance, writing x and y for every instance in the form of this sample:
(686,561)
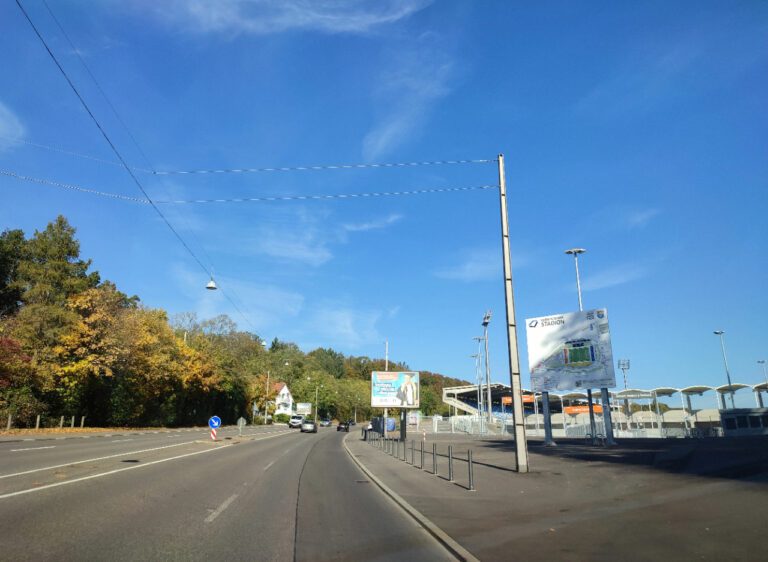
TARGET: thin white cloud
(659,71)
(265,306)
(262,17)
(613,276)
(10,127)
(305,246)
(346,327)
(479,265)
(373,225)
(421,74)
(638,219)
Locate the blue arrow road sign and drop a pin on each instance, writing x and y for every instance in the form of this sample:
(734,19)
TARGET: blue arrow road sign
(214,422)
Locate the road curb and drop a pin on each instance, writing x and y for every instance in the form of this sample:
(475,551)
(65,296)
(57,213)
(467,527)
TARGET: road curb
(450,544)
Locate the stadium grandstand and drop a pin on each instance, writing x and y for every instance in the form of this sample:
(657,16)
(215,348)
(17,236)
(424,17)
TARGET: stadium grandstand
(634,412)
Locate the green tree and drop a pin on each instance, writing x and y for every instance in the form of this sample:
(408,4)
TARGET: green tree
(50,269)
(11,249)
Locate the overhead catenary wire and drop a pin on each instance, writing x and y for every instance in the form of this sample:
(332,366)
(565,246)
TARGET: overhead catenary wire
(250,199)
(328,167)
(73,187)
(98,86)
(190,231)
(119,156)
(331,196)
(245,170)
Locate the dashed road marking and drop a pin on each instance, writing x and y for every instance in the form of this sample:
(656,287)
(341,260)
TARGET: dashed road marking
(221,508)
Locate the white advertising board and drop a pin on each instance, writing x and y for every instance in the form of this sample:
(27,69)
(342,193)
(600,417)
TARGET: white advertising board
(304,408)
(395,389)
(570,351)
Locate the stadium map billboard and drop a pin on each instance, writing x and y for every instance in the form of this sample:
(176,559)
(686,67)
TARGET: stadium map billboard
(570,351)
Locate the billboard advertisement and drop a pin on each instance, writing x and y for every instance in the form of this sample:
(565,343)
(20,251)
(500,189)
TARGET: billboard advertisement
(304,408)
(395,389)
(570,351)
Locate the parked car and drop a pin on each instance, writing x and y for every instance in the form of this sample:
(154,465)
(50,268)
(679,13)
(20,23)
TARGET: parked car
(352,422)
(309,426)
(296,421)
(343,426)
(325,422)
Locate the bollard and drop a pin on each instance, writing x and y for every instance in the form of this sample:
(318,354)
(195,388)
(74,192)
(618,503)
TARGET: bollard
(61,422)
(37,423)
(413,454)
(398,448)
(450,463)
(73,422)
(471,473)
(421,464)
(434,458)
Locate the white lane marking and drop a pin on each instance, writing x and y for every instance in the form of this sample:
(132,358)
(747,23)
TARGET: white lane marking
(269,465)
(121,440)
(91,460)
(221,508)
(33,448)
(92,476)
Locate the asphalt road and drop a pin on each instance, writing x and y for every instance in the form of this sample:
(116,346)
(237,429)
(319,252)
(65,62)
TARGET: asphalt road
(273,494)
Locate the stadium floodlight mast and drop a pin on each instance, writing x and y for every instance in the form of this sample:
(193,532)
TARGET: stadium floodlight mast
(624,366)
(486,321)
(762,362)
(725,360)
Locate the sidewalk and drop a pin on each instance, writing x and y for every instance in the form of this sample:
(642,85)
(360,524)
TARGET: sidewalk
(643,500)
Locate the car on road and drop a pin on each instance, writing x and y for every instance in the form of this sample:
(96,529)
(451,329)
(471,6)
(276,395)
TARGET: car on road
(296,421)
(309,426)
(325,422)
(343,426)
(352,422)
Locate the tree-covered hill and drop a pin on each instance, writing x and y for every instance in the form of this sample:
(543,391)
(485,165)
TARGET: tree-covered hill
(72,344)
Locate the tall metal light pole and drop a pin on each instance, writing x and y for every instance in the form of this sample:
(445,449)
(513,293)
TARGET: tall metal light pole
(624,366)
(603,391)
(476,357)
(725,359)
(575,252)
(521,445)
(762,362)
(486,321)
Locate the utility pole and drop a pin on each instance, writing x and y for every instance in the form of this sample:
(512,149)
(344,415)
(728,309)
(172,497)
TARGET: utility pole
(521,445)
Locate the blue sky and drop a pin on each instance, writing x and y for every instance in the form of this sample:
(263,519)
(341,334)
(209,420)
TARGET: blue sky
(638,131)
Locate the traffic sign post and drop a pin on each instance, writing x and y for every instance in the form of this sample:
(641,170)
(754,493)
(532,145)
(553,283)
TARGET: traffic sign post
(214,423)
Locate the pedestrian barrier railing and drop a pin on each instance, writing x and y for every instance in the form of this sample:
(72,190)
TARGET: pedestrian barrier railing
(392,446)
